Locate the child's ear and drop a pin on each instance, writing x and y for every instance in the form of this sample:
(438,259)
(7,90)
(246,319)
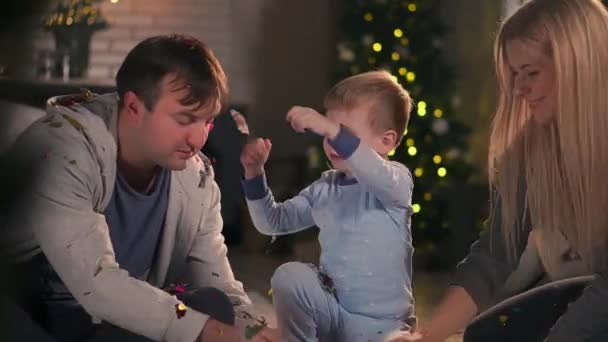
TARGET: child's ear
(389,140)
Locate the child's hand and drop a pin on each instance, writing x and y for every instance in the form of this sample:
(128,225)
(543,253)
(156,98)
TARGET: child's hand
(303,118)
(254,156)
(404,336)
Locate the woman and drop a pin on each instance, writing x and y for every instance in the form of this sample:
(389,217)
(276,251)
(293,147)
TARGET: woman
(547,166)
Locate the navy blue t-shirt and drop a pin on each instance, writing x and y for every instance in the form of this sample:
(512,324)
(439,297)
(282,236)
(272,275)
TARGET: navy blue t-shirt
(136,223)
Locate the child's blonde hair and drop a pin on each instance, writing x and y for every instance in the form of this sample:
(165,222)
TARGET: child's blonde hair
(389,104)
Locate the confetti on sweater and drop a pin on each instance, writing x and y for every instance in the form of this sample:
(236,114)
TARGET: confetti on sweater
(180,310)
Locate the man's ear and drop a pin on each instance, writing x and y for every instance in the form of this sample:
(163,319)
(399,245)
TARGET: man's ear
(133,107)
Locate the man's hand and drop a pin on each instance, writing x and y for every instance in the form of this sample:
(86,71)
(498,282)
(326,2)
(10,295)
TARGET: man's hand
(254,155)
(215,331)
(303,118)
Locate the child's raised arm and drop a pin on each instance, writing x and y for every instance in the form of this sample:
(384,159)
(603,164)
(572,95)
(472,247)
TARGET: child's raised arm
(390,181)
(268,216)
(272,218)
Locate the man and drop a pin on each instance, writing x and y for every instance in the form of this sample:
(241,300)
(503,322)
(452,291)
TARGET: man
(124,206)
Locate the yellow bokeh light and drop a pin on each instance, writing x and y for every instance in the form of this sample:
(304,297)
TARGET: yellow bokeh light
(391,153)
(402,71)
(416,207)
(418,172)
(410,76)
(411,7)
(441,172)
(404,41)
(421,111)
(394,78)
(368,17)
(428,196)
(409,142)
(437,159)
(395,56)
(398,33)
(412,150)
(377,47)
(421,104)
(438,113)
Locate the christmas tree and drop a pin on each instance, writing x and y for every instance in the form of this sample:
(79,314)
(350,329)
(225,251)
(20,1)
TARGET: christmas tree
(405,38)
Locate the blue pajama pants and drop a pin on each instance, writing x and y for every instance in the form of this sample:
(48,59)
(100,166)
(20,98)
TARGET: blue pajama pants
(307,310)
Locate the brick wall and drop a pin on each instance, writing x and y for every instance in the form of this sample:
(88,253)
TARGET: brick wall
(277,53)
(133,20)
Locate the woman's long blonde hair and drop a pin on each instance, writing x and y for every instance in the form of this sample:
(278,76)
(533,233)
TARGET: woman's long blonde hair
(564,163)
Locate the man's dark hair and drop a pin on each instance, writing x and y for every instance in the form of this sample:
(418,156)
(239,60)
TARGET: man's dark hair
(193,63)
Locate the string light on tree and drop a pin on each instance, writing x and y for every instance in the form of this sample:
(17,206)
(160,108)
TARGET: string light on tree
(412,150)
(411,77)
(441,172)
(421,108)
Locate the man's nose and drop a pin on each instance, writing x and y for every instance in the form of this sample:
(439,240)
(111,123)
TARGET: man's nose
(198,136)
